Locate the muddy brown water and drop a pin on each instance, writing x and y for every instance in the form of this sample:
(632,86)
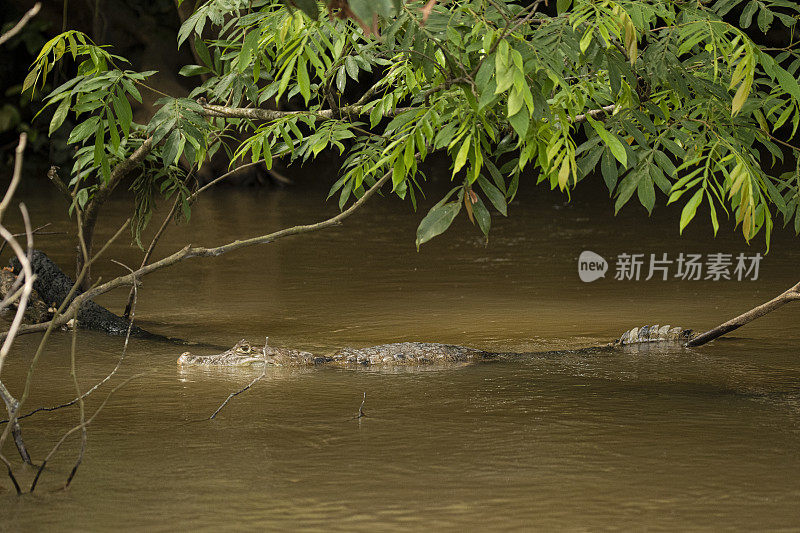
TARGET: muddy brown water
(664,439)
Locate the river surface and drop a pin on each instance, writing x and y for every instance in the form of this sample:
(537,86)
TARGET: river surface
(659,439)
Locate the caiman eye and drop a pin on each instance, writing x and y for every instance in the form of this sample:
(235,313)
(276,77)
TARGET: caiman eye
(244,347)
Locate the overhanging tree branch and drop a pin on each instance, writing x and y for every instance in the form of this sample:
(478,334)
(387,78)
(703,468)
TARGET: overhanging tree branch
(189,251)
(269,114)
(121,170)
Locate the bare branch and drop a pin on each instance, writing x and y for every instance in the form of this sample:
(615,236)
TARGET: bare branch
(269,114)
(745,318)
(120,171)
(27,287)
(76,428)
(16,176)
(53,176)
(11,403)
(81,407)
(256,380)
(21,24)
(595,114)
(188,252)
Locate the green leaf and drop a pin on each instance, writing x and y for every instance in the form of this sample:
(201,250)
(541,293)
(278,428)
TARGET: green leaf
(690,209)
(83,130)
(302,79)
(608,168)
(112,130)
(122,109)
(625,190)
(436,222)
(30,79)
(463,152)
(610,140)
(99,147)
(520,123)
(740,97)
(193,70)
(497,177)
(249,49)
(352,67)
(59,116)
(497,198)
(586,40)
(341,79)
(482,216)
(171,150)
(765,18)
(202,52)
(267,155)
(714,221)
(646,192)
(746,18)
(515,102)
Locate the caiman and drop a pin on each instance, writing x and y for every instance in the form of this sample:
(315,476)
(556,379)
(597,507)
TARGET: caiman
(404,353)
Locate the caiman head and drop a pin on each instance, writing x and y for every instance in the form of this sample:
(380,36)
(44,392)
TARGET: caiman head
(242,354)
(245,354)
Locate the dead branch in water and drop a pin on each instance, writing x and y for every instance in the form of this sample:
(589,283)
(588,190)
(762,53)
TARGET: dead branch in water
(361,413)
(11,403)
(102,381)
(72,372)
(745,318)
(237,393)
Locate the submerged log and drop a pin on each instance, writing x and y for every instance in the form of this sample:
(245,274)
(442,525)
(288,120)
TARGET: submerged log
(53,286)
(37,309)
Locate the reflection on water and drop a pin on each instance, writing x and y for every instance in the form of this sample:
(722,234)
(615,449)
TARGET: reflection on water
(666,438)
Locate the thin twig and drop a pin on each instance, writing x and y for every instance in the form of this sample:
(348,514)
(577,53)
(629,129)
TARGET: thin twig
(21,24)
(81,407)
(16,176)
(36,231)
(27,288)
(361,413)
(73,373)
(218,179)
(210,110)
(256,380)
(53,176)
(76,428)
(149,252)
